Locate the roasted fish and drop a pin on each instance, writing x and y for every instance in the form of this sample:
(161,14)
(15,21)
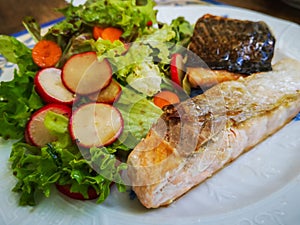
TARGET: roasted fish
(239,46)
(195,139)
(204,78)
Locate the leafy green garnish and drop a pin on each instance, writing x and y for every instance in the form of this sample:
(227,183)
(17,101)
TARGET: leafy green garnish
(139,66)
(18,98)
(184,31)
(33,27)
(62,163)
(127,15)
(138,113)
(16,52)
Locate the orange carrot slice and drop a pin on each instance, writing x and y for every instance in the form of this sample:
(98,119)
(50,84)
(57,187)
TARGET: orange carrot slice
(164,98)
(46,53)
(111,33)
(97,32)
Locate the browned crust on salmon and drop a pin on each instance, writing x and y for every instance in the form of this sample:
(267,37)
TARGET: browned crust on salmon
(239,46)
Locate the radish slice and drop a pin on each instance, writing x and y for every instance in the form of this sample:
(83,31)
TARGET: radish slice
(177,68)
(96,124)
(108,95)
(36,133)
(26,137)
(83,74)
(49,86)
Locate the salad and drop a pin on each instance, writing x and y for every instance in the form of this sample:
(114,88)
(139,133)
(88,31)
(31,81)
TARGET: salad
(86,94)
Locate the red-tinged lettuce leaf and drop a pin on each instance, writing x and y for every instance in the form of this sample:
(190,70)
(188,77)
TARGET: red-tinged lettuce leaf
(33,27)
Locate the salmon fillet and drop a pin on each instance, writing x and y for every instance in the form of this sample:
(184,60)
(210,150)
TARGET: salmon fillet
(196,138)
(206,78)
(239,46)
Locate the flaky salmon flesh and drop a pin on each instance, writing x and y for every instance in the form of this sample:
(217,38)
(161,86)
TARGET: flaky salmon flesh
(196,138)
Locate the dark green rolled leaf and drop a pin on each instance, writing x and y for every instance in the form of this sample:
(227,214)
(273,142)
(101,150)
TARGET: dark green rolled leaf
(33,27)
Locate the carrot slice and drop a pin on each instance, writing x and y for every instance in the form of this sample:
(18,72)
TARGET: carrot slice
(46,53)
(164,98)
(97,32)
(111,33)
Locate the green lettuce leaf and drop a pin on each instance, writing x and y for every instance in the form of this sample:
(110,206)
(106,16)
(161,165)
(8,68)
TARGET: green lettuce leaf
(138,113)
(18,98)
(62,163)
(139,66)
(127,15)
(184,31)
(107,49)
(18,53)
(33,27)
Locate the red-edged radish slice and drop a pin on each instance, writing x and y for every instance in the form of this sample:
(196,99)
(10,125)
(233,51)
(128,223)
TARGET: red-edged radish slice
(26,137)
(83,74)
(96,124)
(49,86)
(66,190)
(108,95)
(36,132)
(177,68)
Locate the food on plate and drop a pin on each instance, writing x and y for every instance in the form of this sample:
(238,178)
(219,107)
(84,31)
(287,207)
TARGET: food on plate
(46,53)
(165,98)
(200,77)
(56,150)
(84,74)
(111,33)
(36,132)
(49,86)
(66,190)
(177,69)
(223,49)
(110,70)
(195,139)
(109,94)
(97,32)
(96,124)
(239,46)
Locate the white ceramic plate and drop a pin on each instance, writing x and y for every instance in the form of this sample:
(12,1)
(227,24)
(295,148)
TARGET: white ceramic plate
(261,187)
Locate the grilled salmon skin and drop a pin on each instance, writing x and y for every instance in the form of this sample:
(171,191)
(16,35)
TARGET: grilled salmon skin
(239,46)
(196,138)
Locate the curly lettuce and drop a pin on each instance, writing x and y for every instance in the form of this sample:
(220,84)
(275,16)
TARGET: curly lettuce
(131,17)
(139,67)
(62,163)
(18,98)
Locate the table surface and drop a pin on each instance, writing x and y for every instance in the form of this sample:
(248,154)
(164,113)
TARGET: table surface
(12,11)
